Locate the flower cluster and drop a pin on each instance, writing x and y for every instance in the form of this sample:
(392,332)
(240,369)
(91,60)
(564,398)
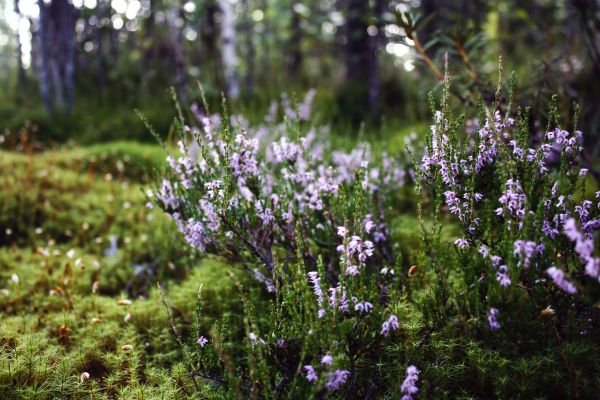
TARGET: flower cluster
(515,203)
(409,386)
(310,223)
(335,379)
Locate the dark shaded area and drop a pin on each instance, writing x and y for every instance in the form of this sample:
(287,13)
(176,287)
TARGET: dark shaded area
(91,63)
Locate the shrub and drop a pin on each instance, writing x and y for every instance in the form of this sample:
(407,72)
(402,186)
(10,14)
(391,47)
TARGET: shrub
(348,318)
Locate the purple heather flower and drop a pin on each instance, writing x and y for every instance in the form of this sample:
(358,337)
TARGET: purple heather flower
(484,250)
(492,318)
(513,199)
(409,386)
(311,375)
(391,323)
(502,276)
(527,250)
(558,276)
(369,224)
(327,360)
(314,278)
(336,379)
(461,243)
(584,247)
(363,307)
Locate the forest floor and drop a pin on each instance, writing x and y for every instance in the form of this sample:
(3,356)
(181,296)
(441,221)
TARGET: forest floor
(80,255)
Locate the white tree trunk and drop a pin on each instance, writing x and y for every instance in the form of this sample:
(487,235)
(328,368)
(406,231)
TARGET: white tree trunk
(228,44)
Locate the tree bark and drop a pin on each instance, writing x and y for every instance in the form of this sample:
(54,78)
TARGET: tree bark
(43,71)
(100,63)
(177,46)
(248,28)
(228,44)
(376,42)
(56,41)
(295,58)
(20,69)
(358,50)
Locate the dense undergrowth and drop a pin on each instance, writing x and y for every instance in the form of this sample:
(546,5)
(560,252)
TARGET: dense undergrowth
(354,311)
(314,270)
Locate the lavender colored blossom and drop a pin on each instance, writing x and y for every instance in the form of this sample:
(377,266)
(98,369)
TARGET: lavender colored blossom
(314,278)
(409,387)
(390,324)
(584,247)
(502,276)
(526,251)
(327,359)
(558,276)
(311,375)
(202,341)
(493,319)
(513,199)
(363,306)
(461,243)
(336,379)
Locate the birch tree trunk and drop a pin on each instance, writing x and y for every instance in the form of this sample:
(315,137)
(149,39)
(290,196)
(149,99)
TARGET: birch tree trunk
(228,49)
(20,69)
(376,41)
(175,19)
(358,53)
(295,57)
(250,51)
(43,69)
(100,64)
(56,41)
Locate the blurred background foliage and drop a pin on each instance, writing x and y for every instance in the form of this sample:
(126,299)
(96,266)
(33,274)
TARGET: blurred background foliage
(77,69)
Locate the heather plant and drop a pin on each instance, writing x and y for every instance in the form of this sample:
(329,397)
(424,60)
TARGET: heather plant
(524,267)
(343,313)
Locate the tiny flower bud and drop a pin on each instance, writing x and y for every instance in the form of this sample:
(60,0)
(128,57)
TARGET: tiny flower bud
(412,270)
(547,312)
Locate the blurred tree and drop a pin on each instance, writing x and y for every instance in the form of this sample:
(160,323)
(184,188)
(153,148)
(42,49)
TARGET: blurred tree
(295,43)
(248,33)
(228,49)
(20,69)
(175,21)
(56,39)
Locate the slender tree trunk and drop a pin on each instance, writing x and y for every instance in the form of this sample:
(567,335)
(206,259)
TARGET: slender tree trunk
(376,41)
(57,52)
(266,47)
(176,38)
(228,44)
(20,69)
(295,58)
(35,59)
(248,28)
(149,53)
(44,71)
(358,47)
(209,40)
(67,33)
(100,64)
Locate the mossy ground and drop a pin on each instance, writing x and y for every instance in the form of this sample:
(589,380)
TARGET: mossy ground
(62,279)
(61,282)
